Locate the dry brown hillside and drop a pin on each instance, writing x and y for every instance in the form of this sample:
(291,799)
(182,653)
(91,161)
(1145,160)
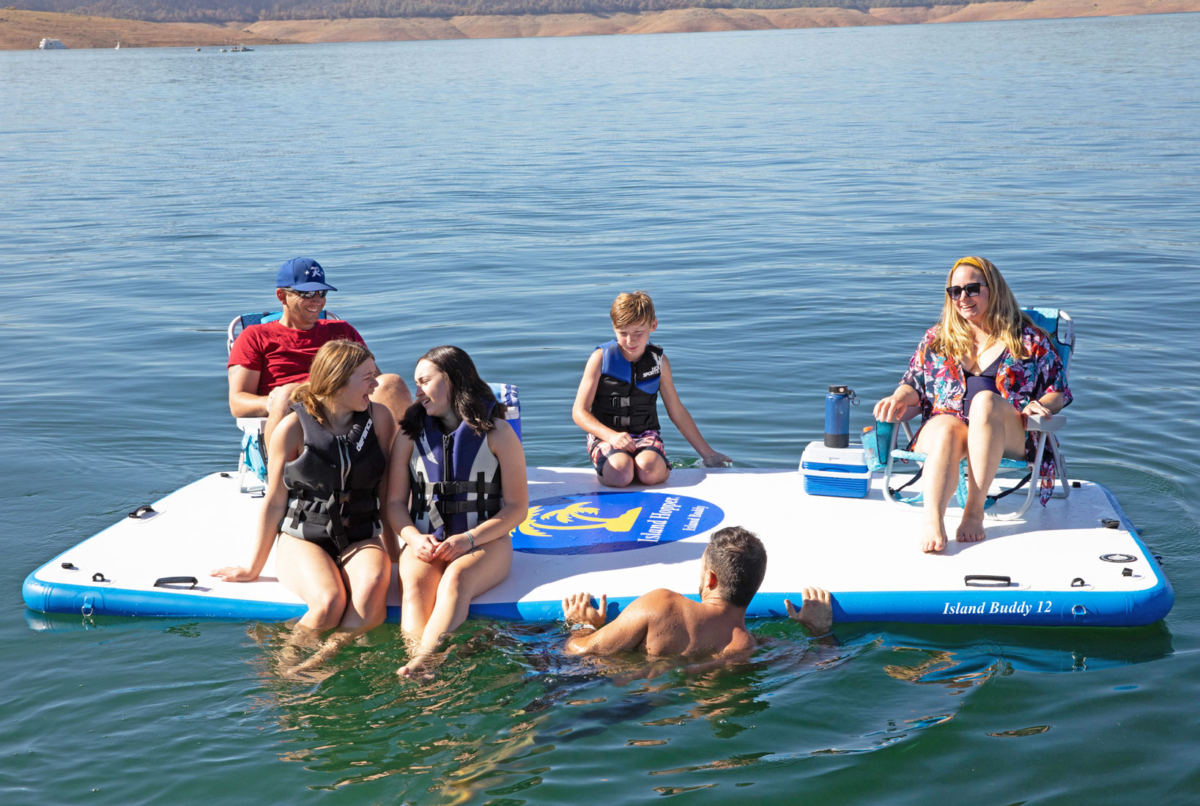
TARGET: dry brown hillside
(24,29)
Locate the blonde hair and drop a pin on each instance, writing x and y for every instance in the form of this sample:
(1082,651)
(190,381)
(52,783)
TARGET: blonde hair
(630,309)
(1003,317)
(331,370)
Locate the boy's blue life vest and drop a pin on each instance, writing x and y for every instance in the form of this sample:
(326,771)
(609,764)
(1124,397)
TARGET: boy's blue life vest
(627,396)
(333,485)
(455,479)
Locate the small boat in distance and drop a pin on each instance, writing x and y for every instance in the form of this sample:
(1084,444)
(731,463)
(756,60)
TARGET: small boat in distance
(118,47)
(51,44)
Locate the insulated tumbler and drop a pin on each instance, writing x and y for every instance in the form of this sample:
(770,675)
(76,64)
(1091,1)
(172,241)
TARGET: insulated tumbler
(837,417)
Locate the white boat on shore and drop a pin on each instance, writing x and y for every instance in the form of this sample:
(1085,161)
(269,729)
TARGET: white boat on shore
(51,44)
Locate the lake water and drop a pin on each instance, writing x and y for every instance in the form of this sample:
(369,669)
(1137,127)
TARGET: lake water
(792,200)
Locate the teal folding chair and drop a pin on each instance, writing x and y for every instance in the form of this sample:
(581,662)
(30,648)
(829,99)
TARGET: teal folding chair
(1061,329)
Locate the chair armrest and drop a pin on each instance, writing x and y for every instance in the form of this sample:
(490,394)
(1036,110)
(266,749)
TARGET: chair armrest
(251,425)
(1047,425)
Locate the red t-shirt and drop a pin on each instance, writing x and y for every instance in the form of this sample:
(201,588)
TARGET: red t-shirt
(281,354)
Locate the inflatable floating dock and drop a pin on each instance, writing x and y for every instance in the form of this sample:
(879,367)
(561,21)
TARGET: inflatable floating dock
(1075,562)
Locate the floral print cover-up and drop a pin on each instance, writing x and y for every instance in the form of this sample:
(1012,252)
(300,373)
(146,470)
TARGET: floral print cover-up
(941,385)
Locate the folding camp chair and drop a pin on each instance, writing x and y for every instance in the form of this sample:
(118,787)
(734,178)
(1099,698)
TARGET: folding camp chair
(252,458)
(1061,329)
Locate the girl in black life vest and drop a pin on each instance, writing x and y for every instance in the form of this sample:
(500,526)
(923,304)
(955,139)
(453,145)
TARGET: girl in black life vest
(326,473)
(463,469)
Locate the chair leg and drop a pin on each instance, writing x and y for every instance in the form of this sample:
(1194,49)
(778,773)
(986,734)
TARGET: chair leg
(1035,479)
(887,472)
(1060,470)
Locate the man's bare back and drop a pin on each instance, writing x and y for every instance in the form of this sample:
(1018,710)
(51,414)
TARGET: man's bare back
(661,623)
(665,623)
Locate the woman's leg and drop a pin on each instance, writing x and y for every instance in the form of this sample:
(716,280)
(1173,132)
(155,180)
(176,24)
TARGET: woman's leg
(996,430)
(943,440)
(309,572)
(366,571)
(419,583)
(463,580)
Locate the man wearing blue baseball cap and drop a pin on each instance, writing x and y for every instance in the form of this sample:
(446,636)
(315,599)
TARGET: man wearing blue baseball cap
(271,359)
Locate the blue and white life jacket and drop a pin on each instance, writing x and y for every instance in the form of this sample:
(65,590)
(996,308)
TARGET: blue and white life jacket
(455,479)
(627,396)
(333,485)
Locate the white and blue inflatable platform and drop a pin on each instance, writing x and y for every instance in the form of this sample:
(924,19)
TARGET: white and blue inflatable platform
(1075,562)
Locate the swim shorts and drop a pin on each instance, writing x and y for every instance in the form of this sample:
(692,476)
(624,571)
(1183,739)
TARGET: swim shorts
(599,451)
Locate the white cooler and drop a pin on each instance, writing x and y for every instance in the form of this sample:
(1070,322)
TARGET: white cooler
(841,472)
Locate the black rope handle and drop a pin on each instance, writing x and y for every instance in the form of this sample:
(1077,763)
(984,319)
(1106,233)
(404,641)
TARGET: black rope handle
(986,581)
(163,582)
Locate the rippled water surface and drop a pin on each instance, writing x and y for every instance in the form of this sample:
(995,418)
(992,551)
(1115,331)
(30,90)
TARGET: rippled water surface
(792,201)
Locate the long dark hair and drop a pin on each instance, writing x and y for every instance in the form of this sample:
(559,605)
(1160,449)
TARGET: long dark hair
(469,395)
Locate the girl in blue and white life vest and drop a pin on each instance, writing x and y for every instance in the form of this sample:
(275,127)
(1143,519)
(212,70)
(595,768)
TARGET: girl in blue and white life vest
(463,468)
(326,472)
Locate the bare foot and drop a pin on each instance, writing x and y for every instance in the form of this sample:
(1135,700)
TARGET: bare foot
(816,613)
(420,667)
(970,530)
(305,672)
(324,653)
(934,538)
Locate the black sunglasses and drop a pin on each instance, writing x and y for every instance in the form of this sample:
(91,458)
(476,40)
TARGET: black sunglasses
(970,289)
(321,294)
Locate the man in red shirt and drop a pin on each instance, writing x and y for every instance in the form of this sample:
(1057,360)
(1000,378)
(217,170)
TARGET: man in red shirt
(269,360)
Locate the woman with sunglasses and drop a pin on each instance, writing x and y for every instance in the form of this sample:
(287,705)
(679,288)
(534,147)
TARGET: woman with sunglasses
(456,491)
(975,376)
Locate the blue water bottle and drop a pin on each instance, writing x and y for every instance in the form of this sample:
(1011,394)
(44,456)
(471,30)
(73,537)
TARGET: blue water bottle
(837,417)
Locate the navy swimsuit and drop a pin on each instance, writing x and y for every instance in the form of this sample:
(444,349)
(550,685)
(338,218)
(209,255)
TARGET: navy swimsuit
(985,381)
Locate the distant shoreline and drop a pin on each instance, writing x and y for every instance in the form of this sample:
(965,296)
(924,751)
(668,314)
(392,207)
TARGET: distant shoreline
(22,30)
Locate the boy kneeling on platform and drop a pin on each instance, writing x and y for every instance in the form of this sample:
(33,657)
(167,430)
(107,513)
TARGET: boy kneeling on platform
(617,401)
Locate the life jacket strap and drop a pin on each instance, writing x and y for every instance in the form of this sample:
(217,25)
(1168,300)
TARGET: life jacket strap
(344,515)
(487,498)
(479,487)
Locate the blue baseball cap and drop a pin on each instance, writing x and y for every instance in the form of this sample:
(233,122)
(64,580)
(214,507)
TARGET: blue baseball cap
(302,274)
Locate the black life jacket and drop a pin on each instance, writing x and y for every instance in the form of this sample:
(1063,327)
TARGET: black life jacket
(455,479)
(627,396)
(333,485)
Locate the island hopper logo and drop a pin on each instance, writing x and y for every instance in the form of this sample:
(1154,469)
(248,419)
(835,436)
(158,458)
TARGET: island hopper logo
(595,523)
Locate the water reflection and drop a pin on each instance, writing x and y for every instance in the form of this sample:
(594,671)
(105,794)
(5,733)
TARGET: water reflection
(508,710)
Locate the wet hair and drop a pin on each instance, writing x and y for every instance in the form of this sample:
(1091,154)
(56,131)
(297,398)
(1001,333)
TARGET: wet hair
(1003,316)
(631,309)
(469,395)
(332,368)
(739,559)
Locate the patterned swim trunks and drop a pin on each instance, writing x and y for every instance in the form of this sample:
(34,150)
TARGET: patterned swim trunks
(646,441)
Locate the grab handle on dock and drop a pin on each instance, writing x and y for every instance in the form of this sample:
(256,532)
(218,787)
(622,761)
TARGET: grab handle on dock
(986,581)
(162,582)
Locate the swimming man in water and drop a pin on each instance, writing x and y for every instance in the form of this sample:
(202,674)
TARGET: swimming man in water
(665,623)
